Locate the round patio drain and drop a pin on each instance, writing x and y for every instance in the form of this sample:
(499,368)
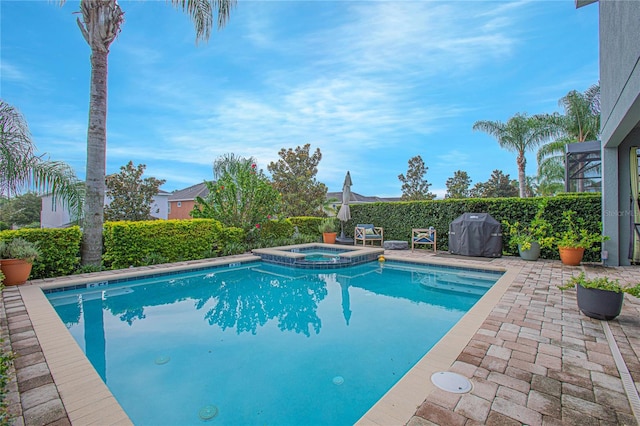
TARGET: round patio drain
(451,382)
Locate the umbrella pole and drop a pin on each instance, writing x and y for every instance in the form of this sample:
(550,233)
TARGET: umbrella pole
(342,229)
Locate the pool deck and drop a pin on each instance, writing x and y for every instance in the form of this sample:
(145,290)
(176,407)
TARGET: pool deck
(531,356)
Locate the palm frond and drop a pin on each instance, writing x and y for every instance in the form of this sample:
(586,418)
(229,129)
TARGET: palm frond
(59,179)
(22,169)
(201,14)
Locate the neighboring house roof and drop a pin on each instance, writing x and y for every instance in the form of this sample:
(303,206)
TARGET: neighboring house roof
(190,193)
(357,198)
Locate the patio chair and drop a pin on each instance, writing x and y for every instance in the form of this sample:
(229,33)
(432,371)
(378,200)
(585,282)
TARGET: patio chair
(368,233)
(423,236)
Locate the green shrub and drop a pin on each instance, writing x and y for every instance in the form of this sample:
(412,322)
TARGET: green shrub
(600,283)
(306,224)
(59,249)
(137,243)
(6,360)
(233,248)
(85,269)
(224,237)
(276,229)
(19,248)
(327,225)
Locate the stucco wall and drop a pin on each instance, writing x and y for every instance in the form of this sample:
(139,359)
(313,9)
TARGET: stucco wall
(619,68)
(53,216)
(618,221)
(620,114)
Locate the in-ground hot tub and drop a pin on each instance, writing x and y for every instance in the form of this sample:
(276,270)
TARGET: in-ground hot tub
(318,255)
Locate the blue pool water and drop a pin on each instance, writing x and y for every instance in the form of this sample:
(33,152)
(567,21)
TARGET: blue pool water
(265,344)
(316,254)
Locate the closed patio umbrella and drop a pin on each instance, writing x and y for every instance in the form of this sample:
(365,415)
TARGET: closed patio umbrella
(345,212)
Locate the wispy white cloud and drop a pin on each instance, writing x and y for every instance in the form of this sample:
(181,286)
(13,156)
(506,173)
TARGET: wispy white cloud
(352,93)
(11,72)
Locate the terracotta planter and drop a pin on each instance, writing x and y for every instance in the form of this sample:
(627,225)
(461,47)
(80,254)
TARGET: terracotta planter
(532,254)
(599,304)
(571,255)
(16,271)
(329,237)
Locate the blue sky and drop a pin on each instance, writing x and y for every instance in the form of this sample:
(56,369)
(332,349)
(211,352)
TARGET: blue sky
(370,83)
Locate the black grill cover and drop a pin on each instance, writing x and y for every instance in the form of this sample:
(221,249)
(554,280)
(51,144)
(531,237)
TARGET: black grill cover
(475,234)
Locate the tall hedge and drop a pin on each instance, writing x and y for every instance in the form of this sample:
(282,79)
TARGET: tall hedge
(398,218)
(136,243)
(307,224)
(59,249)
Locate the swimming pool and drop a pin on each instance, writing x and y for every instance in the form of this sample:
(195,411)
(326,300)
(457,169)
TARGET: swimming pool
(289,346)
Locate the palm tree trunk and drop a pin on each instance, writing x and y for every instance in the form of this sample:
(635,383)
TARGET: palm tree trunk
(522,178)
(100,24)
(96,160)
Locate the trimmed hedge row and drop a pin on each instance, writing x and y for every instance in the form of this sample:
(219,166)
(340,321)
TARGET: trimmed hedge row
(398,218)
(307,224)
(277,229)
(59,249)
(129,244)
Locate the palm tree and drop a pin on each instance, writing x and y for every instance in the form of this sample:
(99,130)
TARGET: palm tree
(582,113)
(520,134)
(580,123)
(21,168)
(100,24)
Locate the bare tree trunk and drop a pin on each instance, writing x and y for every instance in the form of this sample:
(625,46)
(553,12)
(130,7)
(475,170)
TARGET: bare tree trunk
(96,161)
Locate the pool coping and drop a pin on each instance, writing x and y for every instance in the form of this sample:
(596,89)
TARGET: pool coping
(87,399)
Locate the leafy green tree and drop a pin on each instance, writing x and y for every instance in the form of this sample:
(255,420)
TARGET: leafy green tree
(100,24)
(580,123)
(241,196)
(498,185)
(21,168)
(520,134)
(414,187)
(6,209)
(130,195)
(458,185)
(294,175)
(24,209)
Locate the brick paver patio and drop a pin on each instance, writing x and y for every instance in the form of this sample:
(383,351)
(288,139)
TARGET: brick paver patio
(535,360)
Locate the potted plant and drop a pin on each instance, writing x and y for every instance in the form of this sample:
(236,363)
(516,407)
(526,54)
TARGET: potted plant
(575,239)
(531,238)
(328,229)
(600,298)
(16,260)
